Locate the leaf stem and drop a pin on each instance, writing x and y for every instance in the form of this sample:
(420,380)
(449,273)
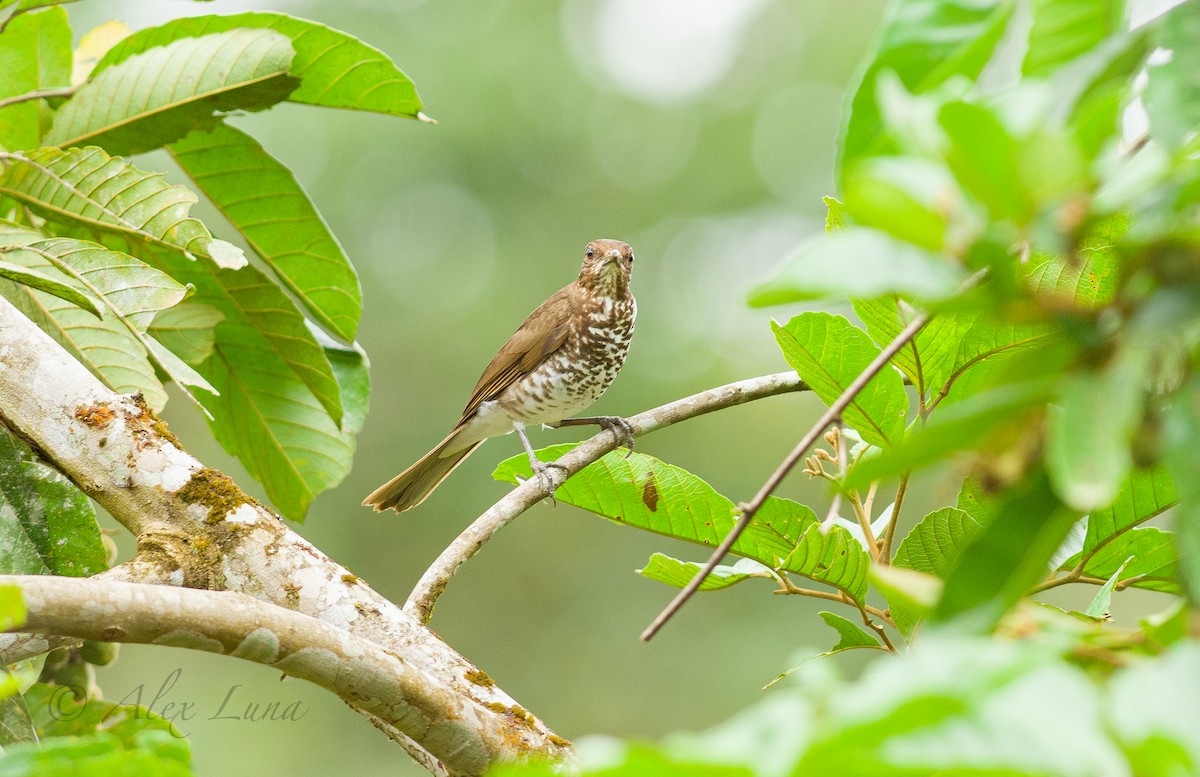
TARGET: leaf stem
(750,508)
(38,95)
(889,534)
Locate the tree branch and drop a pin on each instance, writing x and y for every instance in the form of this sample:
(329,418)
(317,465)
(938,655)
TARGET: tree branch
(369,678)
(750,508)
(196,526)
(431,585)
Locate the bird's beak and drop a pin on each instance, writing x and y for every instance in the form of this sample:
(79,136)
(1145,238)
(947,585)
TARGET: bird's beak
(612,256)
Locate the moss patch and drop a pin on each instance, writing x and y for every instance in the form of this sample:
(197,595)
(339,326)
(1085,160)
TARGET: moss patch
(208,487)
(480,678)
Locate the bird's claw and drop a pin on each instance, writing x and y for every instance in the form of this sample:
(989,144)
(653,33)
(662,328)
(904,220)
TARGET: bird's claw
(542,470)
(621,429)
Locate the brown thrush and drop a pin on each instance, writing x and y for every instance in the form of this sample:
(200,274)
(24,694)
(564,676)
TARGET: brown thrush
(560,360)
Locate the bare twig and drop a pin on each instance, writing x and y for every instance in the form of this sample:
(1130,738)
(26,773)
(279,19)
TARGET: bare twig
(41,94)
(750,508)
(423,597)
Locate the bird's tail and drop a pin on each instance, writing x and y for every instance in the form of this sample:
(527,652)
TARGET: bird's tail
(412,486)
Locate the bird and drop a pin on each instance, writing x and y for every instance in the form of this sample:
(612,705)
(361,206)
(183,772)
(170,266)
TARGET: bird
(560,360)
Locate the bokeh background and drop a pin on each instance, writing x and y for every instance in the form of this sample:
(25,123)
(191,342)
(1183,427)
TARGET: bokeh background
(700,131)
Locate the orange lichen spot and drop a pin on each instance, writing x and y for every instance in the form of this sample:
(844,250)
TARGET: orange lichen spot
(95,416)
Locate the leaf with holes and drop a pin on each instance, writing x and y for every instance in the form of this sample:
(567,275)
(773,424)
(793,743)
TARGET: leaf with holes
(678,573)
(648,494)
(158,96)
(262,200)
(35,55)
(828,353)
(85,187)
(49,526)
(335,69)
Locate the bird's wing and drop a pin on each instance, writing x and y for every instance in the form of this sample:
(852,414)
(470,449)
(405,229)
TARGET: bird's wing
(541,334)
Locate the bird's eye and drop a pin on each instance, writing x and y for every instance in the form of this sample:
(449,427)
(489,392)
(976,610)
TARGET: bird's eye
(591,252)
(631,258)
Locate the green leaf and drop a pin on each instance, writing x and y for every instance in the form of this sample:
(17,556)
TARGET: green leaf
(962,426)
(352,369)
(97,755)
(1153,561)
(909,198)
(48,526)
(1090,430)
(1152,714)
(188,330)
(1007,556)
(984,158)
(1065,29)
(85,187)
(934,544)
(335,69)
(678,573)
(42,282)
(835,214)
(829,353)
(850,634)
(12,607)
(925,43)
(1090,278)
(933,547)
(964,708)
(280,403)
(645,493)
(860,262)
(113,348)
(158,96)
(1181,430)
(1103,598)
(35,54)
(1144,494)
(1172,94)
(263,201)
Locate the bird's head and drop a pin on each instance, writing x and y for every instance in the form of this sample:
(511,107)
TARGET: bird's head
(607,267)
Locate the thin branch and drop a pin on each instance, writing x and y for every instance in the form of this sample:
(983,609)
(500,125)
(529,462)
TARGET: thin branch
(864,523)
(889,534)
(788,588)
(749,509)
(41,94)
(423,597)
(369,678)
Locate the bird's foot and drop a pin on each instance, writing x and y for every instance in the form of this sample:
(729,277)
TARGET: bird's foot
(621,429)
(541,469)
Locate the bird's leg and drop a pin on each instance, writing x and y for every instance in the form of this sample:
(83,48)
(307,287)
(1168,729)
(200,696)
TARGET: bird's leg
(539,467)
(621,429)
